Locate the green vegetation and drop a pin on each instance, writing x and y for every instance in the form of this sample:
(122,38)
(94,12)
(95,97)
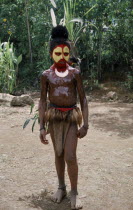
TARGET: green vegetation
(8,67)
(34,119)
(103,34)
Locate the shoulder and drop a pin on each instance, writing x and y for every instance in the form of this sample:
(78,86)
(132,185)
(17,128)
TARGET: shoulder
(76,74)
(45,74)
(74,71)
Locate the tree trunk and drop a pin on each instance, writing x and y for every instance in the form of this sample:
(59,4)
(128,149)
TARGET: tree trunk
(28,29)
(99,69)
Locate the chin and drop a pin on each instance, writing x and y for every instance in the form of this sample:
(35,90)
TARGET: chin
(61,65)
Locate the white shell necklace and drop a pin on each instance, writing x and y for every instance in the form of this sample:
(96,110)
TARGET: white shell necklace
(61,74)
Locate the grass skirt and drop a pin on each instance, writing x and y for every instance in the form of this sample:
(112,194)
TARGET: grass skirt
(59,123)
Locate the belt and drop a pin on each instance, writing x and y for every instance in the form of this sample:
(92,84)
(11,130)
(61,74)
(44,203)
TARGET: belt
(62,108)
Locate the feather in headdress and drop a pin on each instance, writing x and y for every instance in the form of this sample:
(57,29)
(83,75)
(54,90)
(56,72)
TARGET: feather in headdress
(53,3)
(53,17)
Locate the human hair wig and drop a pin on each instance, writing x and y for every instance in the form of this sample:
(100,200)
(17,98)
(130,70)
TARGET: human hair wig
(59,35)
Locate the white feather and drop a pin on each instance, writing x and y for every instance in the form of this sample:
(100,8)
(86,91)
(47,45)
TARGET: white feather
(62,22)
(53,17)
(53,3)
(77,20)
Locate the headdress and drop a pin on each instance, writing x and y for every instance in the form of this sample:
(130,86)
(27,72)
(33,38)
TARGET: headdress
(59,35)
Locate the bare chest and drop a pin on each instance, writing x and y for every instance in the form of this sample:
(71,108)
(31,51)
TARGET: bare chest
(67,82)
(62,91)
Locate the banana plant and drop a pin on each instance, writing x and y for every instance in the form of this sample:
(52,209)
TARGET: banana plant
(8,67)
(74,25)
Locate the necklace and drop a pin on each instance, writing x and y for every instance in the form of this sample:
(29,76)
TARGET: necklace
(61,74)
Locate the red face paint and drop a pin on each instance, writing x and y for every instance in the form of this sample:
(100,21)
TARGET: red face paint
(60,55)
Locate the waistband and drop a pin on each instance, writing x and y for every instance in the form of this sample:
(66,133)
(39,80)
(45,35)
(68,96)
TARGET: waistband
(56,106)
(62,108)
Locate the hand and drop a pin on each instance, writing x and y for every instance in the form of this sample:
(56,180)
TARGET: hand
(82,132)
(43,136)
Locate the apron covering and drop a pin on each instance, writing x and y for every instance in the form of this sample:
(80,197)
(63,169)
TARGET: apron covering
(59,123)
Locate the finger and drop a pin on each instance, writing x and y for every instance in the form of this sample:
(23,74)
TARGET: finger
(83,135)
(78,134)
(42,137)
(44,141)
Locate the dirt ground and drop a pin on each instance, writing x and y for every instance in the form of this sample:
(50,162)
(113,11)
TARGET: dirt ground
(105,157)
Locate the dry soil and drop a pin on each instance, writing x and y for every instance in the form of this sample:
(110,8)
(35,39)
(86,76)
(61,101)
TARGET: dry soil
(105,157)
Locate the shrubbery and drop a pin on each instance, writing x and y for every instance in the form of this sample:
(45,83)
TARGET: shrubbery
(104,44)
(8,67)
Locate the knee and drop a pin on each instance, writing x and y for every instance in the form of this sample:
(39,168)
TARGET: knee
(59,158)
(70,159)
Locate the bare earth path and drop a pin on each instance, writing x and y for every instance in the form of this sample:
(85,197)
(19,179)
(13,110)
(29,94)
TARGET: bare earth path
(105,156)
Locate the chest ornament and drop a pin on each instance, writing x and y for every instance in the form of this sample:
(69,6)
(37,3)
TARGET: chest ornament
(61,74)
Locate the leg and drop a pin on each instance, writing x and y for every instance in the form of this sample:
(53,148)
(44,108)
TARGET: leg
(60,168)
(72,166)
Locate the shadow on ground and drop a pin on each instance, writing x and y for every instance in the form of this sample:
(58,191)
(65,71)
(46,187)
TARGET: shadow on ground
(119,121)
(43,201)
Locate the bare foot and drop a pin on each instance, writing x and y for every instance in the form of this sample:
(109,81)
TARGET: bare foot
(75,202)
(59,195)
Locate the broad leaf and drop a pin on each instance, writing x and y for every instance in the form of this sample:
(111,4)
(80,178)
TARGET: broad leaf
(26,123)
(34,124)
(31,108)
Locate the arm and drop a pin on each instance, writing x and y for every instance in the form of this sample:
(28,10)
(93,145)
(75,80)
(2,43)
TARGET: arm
(42,107)
(84,106)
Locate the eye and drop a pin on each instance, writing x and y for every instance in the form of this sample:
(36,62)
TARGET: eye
(66,54)
(57,53)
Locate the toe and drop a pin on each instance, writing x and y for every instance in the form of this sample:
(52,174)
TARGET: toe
(73,207)
(76,207)
(58,200)
(79,207)
(53,199)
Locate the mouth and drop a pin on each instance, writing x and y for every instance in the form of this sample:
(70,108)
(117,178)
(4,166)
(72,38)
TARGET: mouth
(62,62)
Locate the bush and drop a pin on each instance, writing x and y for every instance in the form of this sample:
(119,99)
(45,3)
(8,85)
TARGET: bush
(129,82)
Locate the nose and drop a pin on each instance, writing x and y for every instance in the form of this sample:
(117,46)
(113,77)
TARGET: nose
(61,55)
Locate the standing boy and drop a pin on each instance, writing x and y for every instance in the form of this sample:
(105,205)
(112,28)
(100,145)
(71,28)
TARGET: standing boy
(61,84)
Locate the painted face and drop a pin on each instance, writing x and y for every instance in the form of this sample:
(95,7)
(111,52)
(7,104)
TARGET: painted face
(61,54)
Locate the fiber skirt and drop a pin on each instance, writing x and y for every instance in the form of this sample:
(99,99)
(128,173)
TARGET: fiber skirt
(73,115)
(59,123)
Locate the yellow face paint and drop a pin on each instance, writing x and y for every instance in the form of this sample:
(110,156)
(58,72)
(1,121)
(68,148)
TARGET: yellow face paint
(61,52)
(66,53)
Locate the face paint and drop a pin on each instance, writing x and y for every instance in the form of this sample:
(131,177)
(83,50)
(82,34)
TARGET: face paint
(61,55)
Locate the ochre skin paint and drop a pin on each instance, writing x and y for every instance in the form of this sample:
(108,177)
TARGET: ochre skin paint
(63,92)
